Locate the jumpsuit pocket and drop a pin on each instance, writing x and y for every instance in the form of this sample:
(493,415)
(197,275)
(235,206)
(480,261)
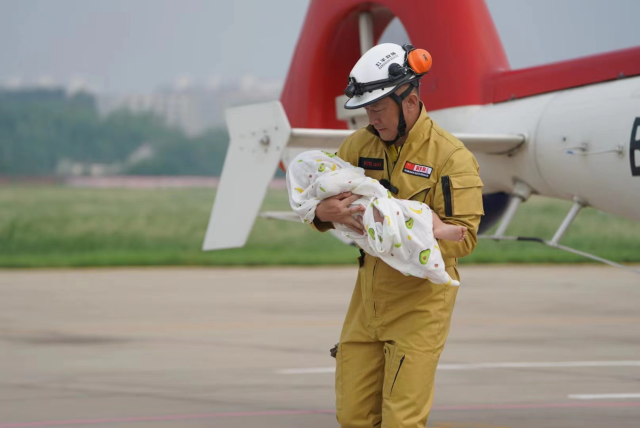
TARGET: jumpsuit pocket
(421,196)
(393,362)
(465,194)
(397,372)
(410,397)
(339,376)
(414,188)
(445,181)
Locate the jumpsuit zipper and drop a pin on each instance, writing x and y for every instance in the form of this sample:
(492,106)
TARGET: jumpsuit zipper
(373,297)
(394,165)
(395,378)
(388,159)
(446,192)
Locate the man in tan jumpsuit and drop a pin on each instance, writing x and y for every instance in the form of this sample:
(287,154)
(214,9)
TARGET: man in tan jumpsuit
(396,326)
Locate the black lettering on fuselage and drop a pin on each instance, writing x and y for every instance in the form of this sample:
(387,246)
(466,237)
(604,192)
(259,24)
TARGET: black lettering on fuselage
(634,148)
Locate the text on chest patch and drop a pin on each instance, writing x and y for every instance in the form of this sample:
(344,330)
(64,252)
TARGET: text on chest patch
(371,163)
(419,170)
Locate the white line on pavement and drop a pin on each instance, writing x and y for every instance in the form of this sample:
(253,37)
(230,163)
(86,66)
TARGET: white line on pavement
(480,366)
(602,396)
(309,370)
(476,366)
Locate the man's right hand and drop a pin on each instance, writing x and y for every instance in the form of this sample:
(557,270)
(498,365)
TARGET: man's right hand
(336,210)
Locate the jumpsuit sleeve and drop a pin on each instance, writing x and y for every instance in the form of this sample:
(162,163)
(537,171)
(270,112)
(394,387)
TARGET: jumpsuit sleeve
(343,154)
(321,226)
(458,200)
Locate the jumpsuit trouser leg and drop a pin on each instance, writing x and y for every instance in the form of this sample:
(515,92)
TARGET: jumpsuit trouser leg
(392,338)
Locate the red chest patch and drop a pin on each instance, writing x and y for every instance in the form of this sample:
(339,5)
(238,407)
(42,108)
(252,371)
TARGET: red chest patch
(419,170)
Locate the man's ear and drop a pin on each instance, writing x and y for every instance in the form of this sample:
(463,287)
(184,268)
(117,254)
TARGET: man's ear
(413,100)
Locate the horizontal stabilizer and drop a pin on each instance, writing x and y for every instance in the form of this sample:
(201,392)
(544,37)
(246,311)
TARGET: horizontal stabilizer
(493,144)
(318,138)
(281,215)
(332,138)
(291,216)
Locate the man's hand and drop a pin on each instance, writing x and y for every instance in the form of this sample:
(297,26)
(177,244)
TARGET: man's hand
(336,210)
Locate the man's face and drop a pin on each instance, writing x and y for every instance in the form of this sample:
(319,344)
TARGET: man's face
(383,115)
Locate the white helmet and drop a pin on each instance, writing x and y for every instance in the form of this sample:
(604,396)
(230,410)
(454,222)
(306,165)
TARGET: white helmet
(379,72)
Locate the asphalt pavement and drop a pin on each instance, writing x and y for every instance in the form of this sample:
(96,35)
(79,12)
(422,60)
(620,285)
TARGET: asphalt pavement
(530,346)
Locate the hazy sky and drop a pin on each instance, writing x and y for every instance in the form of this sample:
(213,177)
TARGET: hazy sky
(138,45)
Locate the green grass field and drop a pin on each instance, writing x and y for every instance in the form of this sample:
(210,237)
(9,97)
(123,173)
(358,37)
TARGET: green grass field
(58,226)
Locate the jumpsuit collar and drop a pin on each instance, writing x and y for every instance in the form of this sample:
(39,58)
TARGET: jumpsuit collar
(419,131)
(422,126)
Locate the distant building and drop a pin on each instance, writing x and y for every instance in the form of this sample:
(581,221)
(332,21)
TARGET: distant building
(195,108)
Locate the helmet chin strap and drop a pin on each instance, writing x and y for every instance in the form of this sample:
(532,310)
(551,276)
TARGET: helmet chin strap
(402,124)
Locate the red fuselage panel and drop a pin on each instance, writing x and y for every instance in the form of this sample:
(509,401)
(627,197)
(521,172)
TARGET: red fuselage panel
(470,66)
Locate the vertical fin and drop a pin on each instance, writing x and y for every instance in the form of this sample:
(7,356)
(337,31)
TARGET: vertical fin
(258,135)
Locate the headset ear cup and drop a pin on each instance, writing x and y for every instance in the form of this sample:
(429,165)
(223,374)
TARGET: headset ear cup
(420,61)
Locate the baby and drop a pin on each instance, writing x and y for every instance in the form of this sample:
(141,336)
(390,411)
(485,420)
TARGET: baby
(441,230)
(402,233)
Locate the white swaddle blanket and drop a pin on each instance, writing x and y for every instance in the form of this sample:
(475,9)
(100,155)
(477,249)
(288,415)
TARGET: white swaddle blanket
(404,240)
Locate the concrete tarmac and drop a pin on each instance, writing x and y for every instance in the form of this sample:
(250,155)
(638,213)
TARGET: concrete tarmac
(534,346)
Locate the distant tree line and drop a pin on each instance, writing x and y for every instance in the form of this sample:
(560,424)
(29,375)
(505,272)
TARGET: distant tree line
(39,129)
